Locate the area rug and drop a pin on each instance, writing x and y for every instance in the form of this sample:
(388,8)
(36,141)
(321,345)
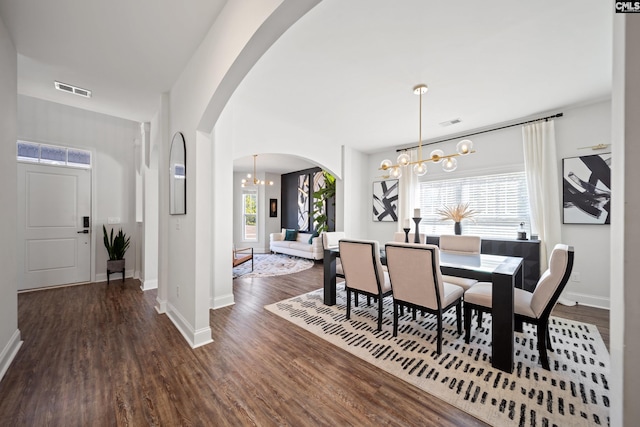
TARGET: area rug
(267,265)
(574,393)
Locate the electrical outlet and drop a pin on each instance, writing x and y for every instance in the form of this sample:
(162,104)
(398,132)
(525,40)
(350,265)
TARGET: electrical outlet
(178,291)
(575,276)
(177,224)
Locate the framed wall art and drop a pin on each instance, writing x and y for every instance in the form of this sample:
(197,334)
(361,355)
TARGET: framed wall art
(586,189)
(385,200)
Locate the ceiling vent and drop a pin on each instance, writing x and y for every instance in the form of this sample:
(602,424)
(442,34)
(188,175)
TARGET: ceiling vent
(73,89)
(450,122)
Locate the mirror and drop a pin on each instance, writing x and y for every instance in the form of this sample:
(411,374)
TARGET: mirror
(178,176)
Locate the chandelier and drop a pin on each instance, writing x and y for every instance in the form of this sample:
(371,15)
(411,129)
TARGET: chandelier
(252,180)
(449,161)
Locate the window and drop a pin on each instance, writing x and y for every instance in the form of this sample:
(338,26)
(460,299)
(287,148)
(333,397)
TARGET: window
(53,155)
(500,200)
(249,215)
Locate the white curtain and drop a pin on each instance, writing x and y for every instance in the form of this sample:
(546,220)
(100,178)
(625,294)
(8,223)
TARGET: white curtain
(541,168)
(407,192)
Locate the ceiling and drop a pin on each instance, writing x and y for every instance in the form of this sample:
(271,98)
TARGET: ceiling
(344,72)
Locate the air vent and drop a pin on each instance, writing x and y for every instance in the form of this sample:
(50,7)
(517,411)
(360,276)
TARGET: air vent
(450,122)
(73,89)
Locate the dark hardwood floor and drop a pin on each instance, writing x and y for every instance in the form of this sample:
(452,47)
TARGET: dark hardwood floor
(98,355)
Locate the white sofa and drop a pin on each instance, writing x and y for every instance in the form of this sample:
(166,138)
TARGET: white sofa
(299,247)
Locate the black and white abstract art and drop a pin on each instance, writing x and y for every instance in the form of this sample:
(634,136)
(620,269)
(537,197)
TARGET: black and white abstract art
(303,202)
(586,189)
(385,200)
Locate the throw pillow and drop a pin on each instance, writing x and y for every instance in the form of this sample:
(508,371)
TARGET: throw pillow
(315,234)
(291,235)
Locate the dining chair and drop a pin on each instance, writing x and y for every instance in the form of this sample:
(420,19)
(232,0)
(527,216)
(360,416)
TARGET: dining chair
(464,245)
(330,240)
(417,283)
(363,272)
(399,237)
(531,307)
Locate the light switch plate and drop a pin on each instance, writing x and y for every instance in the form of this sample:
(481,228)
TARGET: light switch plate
(113,220)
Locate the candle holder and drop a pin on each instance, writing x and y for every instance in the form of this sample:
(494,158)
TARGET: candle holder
(416,237)
(406,234)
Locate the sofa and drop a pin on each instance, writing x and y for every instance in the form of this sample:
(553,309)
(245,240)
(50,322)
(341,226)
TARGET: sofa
(299,247)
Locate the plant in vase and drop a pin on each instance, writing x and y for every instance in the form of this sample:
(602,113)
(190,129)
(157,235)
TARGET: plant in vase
(456,213)
(321,198)
(116,247)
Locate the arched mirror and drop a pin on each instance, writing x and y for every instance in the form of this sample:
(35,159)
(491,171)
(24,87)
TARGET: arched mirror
(178,176)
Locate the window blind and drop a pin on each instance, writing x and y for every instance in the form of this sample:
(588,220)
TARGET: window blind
(500,202)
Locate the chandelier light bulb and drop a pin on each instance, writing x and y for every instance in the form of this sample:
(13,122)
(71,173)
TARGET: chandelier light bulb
(396,172)
(450,164)
(420,169)
(385,164)
(436,156)
(464,147)
(404,159)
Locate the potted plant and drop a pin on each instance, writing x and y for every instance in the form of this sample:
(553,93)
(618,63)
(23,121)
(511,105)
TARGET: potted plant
(457,213)
(116,247)
(320,198)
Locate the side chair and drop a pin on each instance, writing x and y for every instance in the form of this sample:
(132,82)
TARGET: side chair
(534,308)
(417,283)
(458,244)
(363,272)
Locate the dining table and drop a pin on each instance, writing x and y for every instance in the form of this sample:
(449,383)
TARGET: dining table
(504,272)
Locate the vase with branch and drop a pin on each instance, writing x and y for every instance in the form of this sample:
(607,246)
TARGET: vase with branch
(456,213)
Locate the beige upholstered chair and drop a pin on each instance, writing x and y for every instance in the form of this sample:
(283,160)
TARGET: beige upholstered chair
(416,282)
(330,240)
(399,236)
(533,308)
(460,245)
(363,272)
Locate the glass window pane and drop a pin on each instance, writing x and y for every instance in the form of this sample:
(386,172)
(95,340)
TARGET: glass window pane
(51,154)
(28,151)
(249,215)
(500,200)
(79,158)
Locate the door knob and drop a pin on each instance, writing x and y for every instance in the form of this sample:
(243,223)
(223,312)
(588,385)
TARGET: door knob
(83,232)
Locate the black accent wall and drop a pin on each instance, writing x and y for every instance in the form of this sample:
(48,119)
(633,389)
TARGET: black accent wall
(289,200)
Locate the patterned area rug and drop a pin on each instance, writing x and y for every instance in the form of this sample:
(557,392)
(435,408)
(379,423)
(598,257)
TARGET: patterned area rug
(574,393)
(266,265)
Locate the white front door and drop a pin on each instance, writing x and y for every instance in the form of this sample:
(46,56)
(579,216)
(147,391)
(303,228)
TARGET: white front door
(53,239)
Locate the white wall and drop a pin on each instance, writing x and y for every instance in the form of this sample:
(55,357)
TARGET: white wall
(501,151)
(580,127)
(625,269)
(356,208)
(243,31)
(111,140)
(9,333)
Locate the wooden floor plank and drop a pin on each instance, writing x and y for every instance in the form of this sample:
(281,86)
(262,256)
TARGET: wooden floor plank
(100,354)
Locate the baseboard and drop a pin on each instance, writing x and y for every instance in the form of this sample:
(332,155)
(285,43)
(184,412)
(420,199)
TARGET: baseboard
(195,338)
(588,300)
(149,284)
(215,303)
(9,352)
(161,306)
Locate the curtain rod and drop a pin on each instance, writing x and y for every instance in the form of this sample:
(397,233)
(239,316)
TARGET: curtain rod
(483,131)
